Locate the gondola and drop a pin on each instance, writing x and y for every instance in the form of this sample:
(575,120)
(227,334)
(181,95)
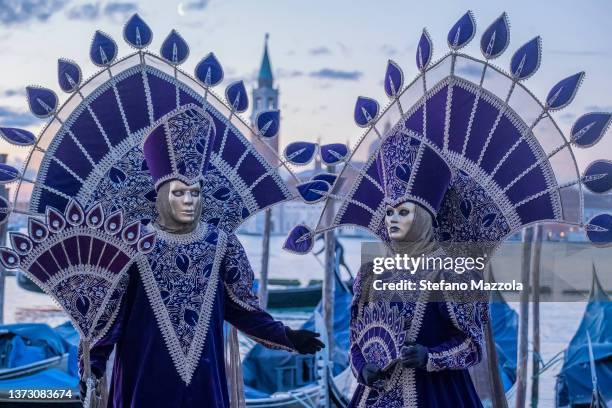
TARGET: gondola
(585,379)
(38,365)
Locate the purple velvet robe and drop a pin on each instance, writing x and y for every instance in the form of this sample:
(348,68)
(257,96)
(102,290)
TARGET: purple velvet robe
(164,358)
(451,331)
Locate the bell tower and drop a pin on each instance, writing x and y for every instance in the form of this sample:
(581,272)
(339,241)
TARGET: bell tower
(265,96)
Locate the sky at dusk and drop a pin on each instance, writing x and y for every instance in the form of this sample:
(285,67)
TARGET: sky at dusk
(324,53)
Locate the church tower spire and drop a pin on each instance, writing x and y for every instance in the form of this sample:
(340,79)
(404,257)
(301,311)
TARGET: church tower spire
(265,79)
(264,95)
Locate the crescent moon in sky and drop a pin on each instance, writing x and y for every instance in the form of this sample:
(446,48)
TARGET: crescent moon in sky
(180,10)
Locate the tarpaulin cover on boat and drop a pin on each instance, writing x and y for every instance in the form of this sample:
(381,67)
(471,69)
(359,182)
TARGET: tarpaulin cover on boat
(291,370)
(574,384)
(505,331)
(26,343)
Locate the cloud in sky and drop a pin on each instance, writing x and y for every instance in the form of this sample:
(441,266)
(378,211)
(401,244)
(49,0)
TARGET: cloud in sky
(14,12)
(92,11)
(336,74)
(471,70)
(12,117)
(285,73)
(388,49)
(322,50)
(13,92)
(582,53)
(599,108)
(195,5)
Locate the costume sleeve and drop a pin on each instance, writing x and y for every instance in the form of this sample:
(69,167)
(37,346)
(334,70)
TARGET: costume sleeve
(103,348)
(242,307)
(465,347)
(356,358)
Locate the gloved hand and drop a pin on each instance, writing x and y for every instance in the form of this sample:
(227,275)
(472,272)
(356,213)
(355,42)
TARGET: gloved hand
(371,373)
(305,341)
(414,355)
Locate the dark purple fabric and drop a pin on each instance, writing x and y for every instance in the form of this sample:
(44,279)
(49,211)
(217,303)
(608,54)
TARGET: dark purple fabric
(432,178)
(185,99)
(504,137)
(119,262)
(60,255)
(132,93)
(484,119)
(356,215)
(367,193)
(531,183)
(51,199)
(68,152)
(156,150)
(47,263)
(84,242)
(37,271)
(143,372)
(537,209)
(267,192)
(89,135)
(415,121)
(436,113)
(107,111)
(461,107)
(72,250)
(60,179)
(163,95)
(233,147)
(250,169)
(518,161)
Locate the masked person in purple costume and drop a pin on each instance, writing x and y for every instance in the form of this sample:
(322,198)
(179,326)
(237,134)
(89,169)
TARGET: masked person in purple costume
(168,336)
(408,348)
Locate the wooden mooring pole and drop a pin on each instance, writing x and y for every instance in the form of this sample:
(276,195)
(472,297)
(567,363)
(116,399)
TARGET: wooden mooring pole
(522,353)
(535,285)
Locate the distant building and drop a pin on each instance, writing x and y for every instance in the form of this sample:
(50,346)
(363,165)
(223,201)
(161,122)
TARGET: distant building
(265,96)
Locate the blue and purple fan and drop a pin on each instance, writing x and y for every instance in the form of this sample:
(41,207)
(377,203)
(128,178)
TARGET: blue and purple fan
(81,259)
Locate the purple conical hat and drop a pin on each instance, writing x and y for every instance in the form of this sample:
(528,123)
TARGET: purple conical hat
(179,147)
(413,171)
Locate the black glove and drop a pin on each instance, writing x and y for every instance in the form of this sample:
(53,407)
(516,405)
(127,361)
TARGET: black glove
(414,355)
(371,373)
(305,341)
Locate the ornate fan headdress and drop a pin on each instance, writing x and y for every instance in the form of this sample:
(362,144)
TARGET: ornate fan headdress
(510,164)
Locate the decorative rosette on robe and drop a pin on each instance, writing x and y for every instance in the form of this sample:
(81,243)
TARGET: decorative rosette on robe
(81,259)
(91,148)
(510,163)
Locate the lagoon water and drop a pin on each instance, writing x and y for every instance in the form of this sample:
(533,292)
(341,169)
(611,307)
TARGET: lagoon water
(559,320)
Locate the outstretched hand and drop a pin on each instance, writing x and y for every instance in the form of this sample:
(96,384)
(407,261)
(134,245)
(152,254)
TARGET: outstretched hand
(305,341)
(414,355)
